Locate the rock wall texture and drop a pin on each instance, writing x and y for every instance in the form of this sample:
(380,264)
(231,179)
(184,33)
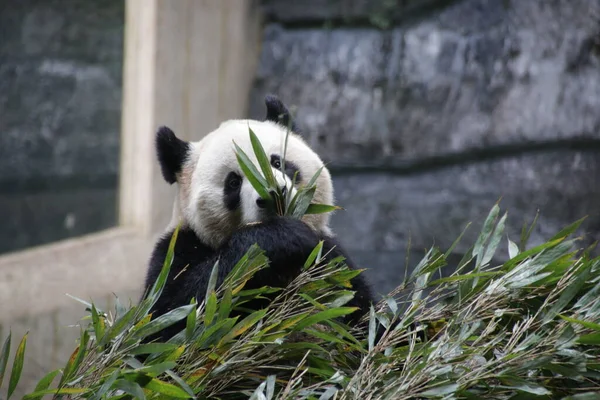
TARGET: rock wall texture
(60,109)
(427,122)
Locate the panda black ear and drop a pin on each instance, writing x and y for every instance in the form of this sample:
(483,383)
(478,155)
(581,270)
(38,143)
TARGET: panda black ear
(171,152)
(277,112)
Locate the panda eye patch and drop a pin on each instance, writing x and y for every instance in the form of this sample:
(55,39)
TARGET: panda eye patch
(231,190)
(234,181)
(291,169)
(276,161)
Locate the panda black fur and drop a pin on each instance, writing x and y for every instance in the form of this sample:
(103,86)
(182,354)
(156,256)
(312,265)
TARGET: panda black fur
(223,233)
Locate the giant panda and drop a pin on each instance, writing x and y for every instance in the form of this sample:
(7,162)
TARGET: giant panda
(221,215)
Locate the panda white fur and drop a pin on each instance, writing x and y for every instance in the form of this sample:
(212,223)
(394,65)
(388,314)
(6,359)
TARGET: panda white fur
(216,206)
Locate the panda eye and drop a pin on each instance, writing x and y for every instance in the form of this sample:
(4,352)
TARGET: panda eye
(276,163)
(234,182)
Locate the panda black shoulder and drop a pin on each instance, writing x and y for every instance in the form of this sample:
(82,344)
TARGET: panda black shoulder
(189,254)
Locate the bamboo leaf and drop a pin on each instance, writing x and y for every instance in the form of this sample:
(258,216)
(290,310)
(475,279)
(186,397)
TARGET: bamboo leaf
(190,325)
(17,368)
(4,354)
(263,159)
(486,231)
(167,389)
(245,324)
(182,384)
(45,382)
(324,315)
(257,181)
(131,388)
(211,308)
(495,238)
(320,208)
(513,249)
(151,348)
(458,278)
(164,321)
(63,391)
(568,294)
(108,383)
(314,256)
(304,199)
(587,324)
(568,230)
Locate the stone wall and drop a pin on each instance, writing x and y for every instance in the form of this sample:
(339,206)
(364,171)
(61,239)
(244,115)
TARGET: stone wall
(431,111)
(60,115)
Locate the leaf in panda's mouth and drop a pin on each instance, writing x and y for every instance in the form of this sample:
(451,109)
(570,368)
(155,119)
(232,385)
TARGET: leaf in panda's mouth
(267,187)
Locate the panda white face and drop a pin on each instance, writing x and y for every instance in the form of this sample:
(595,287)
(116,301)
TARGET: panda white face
(215,198)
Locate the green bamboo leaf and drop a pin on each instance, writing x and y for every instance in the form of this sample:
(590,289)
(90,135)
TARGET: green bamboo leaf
(592,339)
(321,208)
(314,178)
(164,321)
(164,273)
(314,256)
(313,302)
(587,324)
(456,242)
(495,238)
(120,326)
(167,389)
(210,309)
(87,304)
(583,396)
(458,278)
(245,324)
(304,199)
(131,388)
(342,298)
(263,159)
(45,382)
(569,229)
(17,368)
(4,357)
(225,304)
(108,383)
(64,391)
(76,358)
(157,288)
(441,390)
(154,369)
(270,386)
(526,233)
(257,181)
(486,231)
(372,328)
(323,316)
(182,384)
(212,281)
(525,386)
(224,325)
(513,249)
(510,264)
(152,348)
(97,323)
(568,294)
(190,325)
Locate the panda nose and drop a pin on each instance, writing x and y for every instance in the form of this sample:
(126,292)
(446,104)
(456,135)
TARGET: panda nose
(262,203)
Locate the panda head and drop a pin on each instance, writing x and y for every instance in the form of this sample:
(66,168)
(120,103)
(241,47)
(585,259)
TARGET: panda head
(214,198)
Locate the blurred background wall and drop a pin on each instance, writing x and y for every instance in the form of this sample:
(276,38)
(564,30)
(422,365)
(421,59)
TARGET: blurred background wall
(427,112)
(430,111)
(60,115)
